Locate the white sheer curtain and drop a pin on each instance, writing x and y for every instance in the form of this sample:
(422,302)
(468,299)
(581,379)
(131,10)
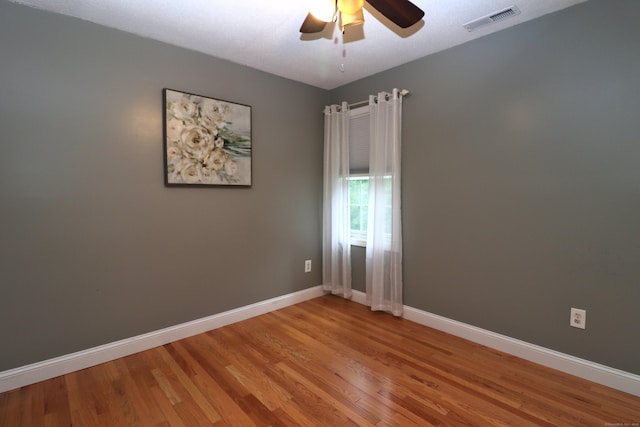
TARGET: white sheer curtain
(384,233)
(336,244)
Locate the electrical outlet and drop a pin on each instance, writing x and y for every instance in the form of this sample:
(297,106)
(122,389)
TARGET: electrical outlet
(307,266)
(578,318)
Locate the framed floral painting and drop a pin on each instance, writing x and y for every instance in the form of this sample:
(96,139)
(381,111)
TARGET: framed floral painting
(207,142)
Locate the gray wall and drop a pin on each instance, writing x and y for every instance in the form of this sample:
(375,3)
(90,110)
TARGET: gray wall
(521,185)
(93,247)
(521,180)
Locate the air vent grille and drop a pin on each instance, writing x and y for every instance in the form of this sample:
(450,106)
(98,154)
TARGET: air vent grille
(503,15)
(500,15)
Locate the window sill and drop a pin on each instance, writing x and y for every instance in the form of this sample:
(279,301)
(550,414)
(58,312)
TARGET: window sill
(361,243)
(358,238)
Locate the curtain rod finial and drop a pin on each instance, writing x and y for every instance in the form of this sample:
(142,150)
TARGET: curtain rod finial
(404,92)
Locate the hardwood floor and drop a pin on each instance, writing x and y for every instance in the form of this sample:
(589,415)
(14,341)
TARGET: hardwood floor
(324,362)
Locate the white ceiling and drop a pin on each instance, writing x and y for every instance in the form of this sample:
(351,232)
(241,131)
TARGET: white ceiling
(263,34)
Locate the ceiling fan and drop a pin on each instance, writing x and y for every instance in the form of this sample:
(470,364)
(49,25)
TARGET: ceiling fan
(403,13)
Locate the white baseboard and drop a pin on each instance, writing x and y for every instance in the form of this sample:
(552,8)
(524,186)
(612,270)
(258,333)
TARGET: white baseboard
(610,377)
(40,371)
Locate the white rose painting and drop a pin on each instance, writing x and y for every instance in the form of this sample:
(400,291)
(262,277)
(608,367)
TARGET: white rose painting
(206,141)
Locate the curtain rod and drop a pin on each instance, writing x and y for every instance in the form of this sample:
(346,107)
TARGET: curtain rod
(402,92)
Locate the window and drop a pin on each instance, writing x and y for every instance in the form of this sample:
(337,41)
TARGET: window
(359,169)
(359,179)
(359,208)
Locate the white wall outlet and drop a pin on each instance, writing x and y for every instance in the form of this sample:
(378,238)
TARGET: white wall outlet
(307,266)
(578,318)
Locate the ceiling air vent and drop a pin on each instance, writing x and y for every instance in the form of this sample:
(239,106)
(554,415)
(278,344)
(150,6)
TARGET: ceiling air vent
(500,15)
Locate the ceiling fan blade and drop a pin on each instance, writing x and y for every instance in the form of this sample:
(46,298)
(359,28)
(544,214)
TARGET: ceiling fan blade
(403,13)
(312,24)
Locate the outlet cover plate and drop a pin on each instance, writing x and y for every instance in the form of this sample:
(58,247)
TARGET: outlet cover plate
(578,318)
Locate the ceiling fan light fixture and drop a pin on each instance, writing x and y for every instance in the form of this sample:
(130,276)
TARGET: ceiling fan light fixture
(351,13)
(350,7)
(351,19)
(323,10)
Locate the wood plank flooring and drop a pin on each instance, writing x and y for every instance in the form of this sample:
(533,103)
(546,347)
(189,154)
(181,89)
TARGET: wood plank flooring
(324,362)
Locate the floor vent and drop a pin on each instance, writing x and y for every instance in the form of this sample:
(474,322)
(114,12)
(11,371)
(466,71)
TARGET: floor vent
(498,16)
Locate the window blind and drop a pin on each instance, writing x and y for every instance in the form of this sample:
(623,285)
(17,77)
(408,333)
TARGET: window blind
(359,140)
